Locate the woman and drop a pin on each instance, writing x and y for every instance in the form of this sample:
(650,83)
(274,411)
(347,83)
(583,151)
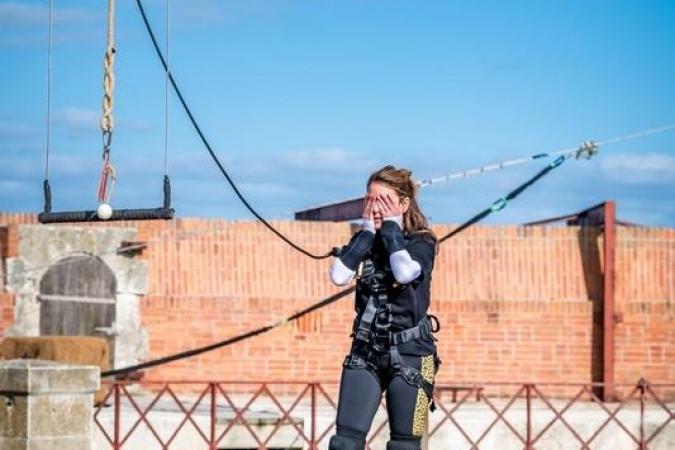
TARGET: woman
(393,349)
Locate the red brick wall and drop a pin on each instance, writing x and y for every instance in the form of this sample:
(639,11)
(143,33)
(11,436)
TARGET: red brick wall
(515,303)
(6,311)
(17,218)
(512,301)
(6,299)
(645,301)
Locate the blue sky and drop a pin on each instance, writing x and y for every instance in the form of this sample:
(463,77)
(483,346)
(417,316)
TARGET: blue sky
(303,99)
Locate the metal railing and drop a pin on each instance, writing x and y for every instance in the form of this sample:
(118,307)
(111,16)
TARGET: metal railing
(195,415)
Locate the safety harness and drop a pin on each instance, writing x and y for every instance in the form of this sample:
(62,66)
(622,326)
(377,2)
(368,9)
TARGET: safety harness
(373,331)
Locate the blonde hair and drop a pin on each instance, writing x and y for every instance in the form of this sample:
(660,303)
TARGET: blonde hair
(401,181)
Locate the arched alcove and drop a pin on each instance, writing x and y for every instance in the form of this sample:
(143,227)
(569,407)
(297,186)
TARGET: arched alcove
(70,280)
(77,298)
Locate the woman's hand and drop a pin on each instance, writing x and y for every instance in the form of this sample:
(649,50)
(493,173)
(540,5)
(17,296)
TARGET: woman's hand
(368,214)
(349,257)
(392,213)
(388,207)
(368,208)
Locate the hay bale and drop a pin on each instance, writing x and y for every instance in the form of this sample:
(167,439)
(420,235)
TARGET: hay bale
(82,350)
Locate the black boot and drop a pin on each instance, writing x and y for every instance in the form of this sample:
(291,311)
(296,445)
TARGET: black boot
(347,439)
(398,442)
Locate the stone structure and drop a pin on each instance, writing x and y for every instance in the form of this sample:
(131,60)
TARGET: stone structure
(42,249)
(46,405)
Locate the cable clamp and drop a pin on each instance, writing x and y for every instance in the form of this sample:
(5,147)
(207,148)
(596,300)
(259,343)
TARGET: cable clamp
(498,205)
(556,162)
(587,150)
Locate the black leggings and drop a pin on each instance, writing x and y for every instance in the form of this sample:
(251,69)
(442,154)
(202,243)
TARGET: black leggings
(360,395)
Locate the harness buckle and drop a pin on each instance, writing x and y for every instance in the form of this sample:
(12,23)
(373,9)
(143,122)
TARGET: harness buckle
(373,279)
(414,377)
(433,319)
(354,361)
(425,330)
(363,335)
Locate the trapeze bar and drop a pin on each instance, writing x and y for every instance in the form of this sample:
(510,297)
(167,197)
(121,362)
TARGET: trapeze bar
(118,214)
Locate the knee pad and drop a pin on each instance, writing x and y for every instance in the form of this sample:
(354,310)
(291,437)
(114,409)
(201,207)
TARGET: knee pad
(399,442)
(347,439)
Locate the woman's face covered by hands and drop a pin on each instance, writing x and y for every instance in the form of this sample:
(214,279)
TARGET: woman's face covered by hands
(382,202)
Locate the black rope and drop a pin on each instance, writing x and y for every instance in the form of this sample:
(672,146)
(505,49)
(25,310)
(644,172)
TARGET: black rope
(496,206)
(47,192)
(207,348)
(501,203)
(208,146)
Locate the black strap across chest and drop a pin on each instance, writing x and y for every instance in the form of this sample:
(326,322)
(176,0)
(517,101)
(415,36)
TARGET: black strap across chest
(374,325)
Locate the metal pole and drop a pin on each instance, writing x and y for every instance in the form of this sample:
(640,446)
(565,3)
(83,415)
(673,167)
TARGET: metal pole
(528,396)
(313,444)
(116,431)
(212,417)
(609,250)
(641,385)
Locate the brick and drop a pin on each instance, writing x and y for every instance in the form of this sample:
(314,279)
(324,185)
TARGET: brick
(514,302)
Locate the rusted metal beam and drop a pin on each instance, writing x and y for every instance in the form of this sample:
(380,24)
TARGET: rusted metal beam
(335,212)
(608,277)
(593,216)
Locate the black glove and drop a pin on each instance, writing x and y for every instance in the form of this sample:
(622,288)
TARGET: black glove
(352,253)
(392,236)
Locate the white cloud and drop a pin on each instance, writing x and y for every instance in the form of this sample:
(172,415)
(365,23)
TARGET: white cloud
(12,188)
(19,141)
(333,159)
(21,14)
(71,164)
(78,120)
(207,12)
(639,169)
(19,166)
(10,130)
(267,189)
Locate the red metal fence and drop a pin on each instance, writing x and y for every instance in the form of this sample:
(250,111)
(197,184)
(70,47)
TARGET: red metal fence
(196,415)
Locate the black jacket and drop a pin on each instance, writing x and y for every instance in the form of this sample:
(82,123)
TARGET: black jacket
(409,302)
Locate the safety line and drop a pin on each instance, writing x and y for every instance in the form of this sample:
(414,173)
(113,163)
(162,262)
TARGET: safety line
(577,152)
(210,150)
(496,206)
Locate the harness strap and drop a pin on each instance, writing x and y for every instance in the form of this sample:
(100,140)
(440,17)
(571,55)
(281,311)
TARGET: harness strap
(355,361)
(381,335)
(423,330)
(363,328)
(411,375)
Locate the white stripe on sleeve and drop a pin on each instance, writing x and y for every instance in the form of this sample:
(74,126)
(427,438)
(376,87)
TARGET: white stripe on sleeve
(404,267)
(340,274)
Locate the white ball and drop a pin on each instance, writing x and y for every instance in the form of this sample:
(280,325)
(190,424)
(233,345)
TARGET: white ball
(104,211)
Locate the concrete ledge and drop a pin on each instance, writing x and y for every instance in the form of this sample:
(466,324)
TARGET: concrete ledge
(34,376)
(61,443)
(46,405)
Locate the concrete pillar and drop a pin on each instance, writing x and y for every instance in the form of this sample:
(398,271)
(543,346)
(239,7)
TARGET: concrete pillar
(46,405)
